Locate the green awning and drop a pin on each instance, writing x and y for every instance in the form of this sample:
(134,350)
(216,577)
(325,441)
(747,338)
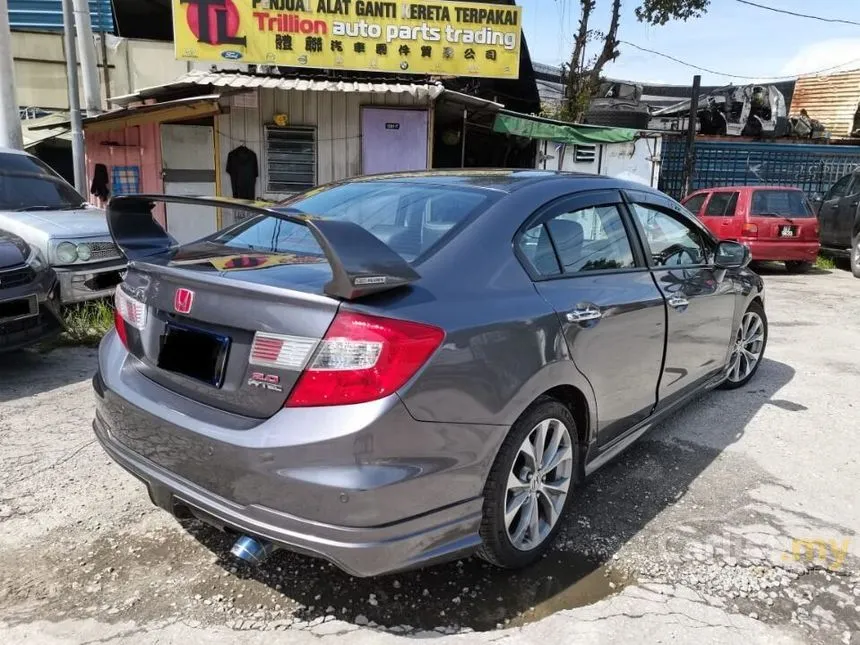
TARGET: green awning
(537,128)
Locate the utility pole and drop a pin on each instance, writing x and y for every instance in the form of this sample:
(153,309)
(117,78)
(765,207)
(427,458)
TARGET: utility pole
(690,149)
(87,54)
(78,161)
(10,122)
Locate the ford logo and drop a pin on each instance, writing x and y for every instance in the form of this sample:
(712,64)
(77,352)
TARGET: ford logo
(231,55)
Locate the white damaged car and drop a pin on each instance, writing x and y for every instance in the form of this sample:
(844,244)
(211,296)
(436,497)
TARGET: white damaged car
(50,215)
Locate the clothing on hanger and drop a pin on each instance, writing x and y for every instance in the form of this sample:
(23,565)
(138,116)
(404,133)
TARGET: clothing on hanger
(100,187)
(243,170)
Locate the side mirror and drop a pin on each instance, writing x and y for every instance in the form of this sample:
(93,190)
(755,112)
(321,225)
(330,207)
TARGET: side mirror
(731,255)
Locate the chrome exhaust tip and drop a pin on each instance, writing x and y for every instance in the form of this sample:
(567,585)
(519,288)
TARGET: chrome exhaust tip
(252,550)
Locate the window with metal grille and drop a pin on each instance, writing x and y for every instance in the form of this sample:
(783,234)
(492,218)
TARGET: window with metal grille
(584,153)
(291,159)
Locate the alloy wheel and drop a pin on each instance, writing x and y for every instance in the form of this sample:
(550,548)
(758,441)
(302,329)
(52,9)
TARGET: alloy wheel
(538,484)
(748,347)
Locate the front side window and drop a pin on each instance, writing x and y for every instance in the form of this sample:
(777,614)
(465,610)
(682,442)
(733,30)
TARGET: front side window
(587,239)
(722,205)
(28,184)
(672,241)
(840,188)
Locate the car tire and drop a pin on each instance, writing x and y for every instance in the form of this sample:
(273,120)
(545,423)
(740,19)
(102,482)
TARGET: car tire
(855,256)
(734,380)
(499,528)
(796,266)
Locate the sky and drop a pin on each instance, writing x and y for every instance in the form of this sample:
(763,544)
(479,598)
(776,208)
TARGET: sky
(732,38)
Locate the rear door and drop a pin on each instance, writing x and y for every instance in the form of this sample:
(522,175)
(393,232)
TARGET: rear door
(780,214)
(701,300)
(578,250)
(828,213)
(721,215)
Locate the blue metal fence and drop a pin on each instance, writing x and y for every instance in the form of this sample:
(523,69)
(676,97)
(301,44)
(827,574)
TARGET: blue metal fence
(47,15)
(810,167)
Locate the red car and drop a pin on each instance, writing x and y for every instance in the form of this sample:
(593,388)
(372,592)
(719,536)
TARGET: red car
(777,223)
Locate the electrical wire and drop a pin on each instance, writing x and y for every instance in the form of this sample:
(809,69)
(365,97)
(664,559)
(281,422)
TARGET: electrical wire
(739,76)
(799,15)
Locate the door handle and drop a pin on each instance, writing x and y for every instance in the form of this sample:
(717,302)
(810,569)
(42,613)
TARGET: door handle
(678,302)
(584,314)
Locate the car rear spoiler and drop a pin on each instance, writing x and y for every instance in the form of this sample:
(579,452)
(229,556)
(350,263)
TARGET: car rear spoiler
(361,264)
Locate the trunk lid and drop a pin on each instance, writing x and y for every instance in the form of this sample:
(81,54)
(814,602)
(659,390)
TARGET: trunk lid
(234,326)
(201,324)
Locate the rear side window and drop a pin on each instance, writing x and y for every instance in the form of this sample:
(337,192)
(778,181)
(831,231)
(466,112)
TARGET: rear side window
(694,204)
(588,239)
(722,205)
(780,203)
(408,217)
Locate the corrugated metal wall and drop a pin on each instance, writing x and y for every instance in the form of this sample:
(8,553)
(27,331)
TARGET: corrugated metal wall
(336,116)
(810,167)
(830,99)
(40,15)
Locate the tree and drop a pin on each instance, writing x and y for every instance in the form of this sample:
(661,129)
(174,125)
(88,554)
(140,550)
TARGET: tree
(583,76)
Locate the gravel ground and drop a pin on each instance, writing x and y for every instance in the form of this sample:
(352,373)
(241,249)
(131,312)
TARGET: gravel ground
(699,533)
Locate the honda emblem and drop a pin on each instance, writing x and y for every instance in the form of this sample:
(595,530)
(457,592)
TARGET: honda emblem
(182,300)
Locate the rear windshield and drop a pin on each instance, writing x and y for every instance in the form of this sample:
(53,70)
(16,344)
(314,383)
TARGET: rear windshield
(28,184)
(780,203)
(409,217)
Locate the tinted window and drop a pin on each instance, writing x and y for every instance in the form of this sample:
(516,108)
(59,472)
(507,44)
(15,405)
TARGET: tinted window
(672,242)
(694,204)
(407,217)
(840,188)
(780,203)
(589,239)
(722,205)
(27,183)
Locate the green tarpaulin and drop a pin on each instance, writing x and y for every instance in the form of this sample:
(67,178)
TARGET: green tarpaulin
(534,128)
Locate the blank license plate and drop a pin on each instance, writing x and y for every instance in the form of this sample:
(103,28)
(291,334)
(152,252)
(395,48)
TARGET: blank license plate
(786,231)
(195,353)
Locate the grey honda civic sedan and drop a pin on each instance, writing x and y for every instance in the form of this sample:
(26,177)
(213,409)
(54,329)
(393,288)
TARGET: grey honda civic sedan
(398,370)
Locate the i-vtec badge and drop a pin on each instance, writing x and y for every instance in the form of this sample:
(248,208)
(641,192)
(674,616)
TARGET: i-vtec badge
(271,382)
(231,54)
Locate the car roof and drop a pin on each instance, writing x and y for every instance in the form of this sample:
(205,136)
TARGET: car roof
(506,181)
(12,151)
(724,189)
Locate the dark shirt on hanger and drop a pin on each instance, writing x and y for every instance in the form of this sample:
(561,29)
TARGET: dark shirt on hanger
(243,170)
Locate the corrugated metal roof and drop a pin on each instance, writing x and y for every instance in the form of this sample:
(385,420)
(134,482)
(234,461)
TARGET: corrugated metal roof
(235,80)
(35,131)
(830,99)
(47,15)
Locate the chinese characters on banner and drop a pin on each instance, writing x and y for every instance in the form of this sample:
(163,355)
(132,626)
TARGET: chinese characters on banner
(440,38)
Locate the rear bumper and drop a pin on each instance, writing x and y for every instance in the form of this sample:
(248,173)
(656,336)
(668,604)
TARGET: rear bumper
(781,250)
(372,497)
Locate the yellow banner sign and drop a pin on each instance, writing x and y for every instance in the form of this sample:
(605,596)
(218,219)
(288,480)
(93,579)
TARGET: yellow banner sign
(439,38)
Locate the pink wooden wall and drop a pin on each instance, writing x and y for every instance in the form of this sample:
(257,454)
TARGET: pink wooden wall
(139,145)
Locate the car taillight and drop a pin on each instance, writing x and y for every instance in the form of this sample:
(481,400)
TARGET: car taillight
(127,312)
(363,358)
(749,230)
